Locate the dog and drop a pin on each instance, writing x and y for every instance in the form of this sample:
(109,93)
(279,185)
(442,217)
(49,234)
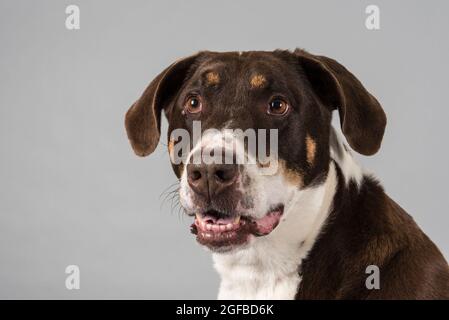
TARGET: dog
(319,226)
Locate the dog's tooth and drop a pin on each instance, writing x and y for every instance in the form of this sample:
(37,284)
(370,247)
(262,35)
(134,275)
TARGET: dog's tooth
(208,226)
(229,226)
(215,228)
(236,220)
(222,227)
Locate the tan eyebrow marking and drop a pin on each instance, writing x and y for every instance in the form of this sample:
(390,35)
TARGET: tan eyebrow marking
(212,78)
(311,149)
(258,81)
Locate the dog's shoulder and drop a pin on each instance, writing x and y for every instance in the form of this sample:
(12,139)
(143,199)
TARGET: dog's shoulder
(367,233)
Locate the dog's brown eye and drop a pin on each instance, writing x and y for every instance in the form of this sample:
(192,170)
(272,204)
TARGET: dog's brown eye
(278,107)
(193,104)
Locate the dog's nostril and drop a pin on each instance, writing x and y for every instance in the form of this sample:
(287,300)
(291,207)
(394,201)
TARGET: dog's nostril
(220,175)
(195,175)
(197,179)
(210,180)
(225,174)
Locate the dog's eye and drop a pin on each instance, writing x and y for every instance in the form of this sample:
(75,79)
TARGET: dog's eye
(193,104)
(278,107)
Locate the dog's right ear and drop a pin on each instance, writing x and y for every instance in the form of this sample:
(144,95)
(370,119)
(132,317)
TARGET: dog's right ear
(143,119)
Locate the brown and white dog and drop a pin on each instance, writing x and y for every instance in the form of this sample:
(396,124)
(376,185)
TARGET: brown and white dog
(311,229)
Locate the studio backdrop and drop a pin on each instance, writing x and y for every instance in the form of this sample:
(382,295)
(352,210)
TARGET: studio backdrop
(73,195)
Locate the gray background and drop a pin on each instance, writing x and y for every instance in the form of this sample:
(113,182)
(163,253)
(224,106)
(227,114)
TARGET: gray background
(72,191)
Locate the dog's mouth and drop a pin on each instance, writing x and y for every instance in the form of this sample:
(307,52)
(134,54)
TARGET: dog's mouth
(222,232)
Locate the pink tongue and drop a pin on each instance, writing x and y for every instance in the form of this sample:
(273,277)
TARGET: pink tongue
(214,220)
(266,224)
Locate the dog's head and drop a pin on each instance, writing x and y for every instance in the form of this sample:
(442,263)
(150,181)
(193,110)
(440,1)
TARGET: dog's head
(214,94)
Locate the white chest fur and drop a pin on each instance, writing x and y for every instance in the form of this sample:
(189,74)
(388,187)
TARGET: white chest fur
(268,268)
(256,277)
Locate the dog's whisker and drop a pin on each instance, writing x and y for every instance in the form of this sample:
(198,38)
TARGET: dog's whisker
(168,194)
(173,185)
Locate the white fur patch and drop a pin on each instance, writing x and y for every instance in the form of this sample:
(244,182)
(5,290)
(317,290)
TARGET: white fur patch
(350,168)
(266,190)
(211,140)
(268,268)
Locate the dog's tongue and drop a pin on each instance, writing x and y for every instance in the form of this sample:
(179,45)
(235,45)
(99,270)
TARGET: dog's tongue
(266,224)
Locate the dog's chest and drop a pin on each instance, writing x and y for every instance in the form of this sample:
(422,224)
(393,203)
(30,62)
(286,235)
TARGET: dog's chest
(251,275)
(257,285)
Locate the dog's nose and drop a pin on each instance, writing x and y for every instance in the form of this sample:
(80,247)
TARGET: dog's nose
(210,180)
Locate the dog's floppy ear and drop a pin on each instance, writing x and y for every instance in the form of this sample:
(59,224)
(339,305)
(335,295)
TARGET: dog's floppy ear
(361,117)
(143,119)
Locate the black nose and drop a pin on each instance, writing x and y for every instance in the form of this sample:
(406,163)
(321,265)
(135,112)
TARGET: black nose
(210,180)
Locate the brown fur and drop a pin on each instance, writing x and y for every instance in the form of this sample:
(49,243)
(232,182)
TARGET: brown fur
(367,228)
(291,176)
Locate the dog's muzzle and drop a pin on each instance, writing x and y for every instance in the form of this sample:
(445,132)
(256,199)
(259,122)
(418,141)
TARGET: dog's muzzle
(209,181)
(223,216)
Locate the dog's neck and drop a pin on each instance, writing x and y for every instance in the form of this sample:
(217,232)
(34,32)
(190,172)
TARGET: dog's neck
(268,268)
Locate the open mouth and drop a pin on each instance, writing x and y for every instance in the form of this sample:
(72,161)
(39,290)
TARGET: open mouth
(219,231)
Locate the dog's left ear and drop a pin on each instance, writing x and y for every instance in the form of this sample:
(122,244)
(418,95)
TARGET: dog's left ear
(362,119)
(143,119)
